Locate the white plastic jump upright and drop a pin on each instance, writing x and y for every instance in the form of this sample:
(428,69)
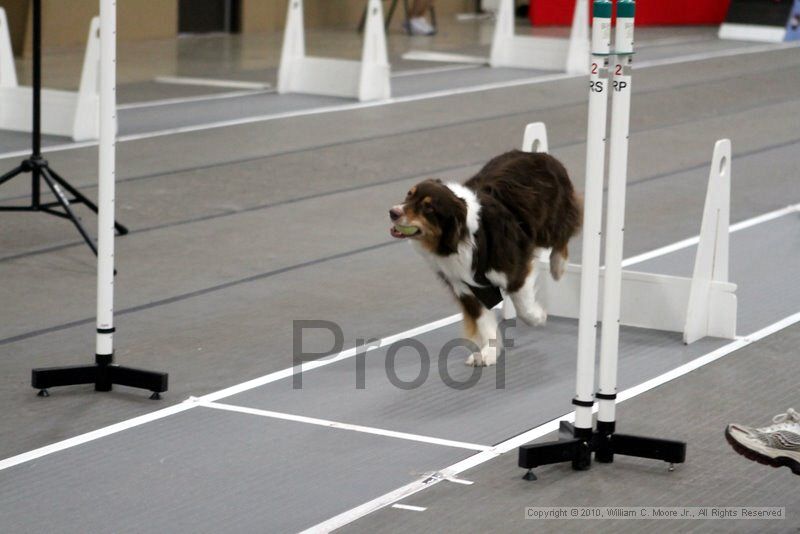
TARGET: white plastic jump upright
(712,310)
(526,52)
(67,113)
(626,297)
(368,79)
(569,55)
(700,306)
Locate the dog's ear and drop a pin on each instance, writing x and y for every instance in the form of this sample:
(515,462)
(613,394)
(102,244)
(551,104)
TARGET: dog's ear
(452,222)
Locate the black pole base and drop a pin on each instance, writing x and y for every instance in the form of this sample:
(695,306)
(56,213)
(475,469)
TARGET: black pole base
(66,195)
(104,375)
(576,445)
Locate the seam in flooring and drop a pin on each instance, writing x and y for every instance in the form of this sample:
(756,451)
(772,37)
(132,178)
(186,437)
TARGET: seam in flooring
(323,194)
(746,50)
(198,292)
(184,296)
(566,105)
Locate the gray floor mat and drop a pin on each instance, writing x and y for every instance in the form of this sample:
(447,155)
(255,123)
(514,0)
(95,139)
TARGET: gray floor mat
(210,471)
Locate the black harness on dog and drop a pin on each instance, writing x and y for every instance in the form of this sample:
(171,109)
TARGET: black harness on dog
(488,294)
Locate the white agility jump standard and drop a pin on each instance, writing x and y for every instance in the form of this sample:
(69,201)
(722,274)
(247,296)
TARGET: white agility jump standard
(703,305)
(569,55)
(67,113)
(548,53)
(368,79)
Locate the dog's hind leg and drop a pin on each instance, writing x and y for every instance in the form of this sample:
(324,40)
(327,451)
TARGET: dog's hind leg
(558,261)
(480,325)
(524,299)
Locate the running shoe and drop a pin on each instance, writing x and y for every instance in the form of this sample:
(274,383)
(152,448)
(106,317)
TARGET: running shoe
(419,26)
(777,445)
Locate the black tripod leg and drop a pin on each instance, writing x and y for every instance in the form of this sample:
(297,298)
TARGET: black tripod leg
(390,14)
(65,204)
(121,230)
(10,174)
(363,21)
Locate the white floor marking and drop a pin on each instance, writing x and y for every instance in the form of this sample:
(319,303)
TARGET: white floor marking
(692,241)
(95,434)
(433,70)
(702,56)
(344,426)
(349,353)
(409,507)
(258,88)
(431,55)
(461,481)
(211,82)
(669,41)
(185,99)
(542,430)
(352,106)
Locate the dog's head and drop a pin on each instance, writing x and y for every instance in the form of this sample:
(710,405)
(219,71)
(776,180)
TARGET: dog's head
(431,214)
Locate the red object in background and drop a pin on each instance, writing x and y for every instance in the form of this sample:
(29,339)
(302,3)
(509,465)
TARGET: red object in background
(648,12)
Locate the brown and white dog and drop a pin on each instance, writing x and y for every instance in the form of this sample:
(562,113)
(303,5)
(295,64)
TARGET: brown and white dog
(489,231)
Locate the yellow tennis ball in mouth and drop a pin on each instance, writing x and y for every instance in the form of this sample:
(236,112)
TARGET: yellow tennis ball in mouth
(406,230)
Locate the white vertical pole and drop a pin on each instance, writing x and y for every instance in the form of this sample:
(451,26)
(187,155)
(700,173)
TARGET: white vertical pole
(615,218)
(107,147)
(592,216)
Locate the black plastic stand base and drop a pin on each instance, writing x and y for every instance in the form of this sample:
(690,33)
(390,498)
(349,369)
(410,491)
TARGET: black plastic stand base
(40,170)
(104,375)
(576,445)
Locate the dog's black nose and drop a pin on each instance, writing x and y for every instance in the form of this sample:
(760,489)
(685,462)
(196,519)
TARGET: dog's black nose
(395,213)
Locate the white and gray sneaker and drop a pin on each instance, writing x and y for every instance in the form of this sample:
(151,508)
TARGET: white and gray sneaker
(419,26)
(777,445)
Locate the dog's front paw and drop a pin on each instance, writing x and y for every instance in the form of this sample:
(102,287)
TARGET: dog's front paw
(534,315)
(485,358)
(489,355)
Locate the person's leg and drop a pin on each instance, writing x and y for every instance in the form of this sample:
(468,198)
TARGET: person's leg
(417,23)
(420,8)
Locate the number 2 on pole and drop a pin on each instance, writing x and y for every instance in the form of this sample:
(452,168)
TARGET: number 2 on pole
(594,68)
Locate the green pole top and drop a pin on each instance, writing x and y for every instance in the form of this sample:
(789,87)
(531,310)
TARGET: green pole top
(626,8)
(602,9)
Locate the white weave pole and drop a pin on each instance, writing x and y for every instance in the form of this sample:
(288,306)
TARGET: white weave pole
(615,217)
(106,179)
(592,217)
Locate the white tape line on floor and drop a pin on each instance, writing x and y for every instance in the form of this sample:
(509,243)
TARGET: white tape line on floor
(344,426)
(409,507)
